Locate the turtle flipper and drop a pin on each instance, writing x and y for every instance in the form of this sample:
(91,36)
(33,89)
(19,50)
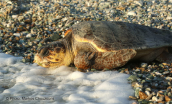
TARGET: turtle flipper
(101,60)
(84,60)
(165,57)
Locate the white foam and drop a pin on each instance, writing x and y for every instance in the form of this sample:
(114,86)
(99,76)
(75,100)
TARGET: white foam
(22,83)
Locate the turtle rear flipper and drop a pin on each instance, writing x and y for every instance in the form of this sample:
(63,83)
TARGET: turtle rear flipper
(165,57)
(170,49)
(103,60)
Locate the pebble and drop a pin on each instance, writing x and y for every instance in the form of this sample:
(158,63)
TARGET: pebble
(29,35)
(155,86)
(144,65)
(16,34)
(131,13)
(169,18)
(142,95)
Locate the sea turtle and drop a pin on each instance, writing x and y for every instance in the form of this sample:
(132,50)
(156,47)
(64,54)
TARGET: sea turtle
(106,44)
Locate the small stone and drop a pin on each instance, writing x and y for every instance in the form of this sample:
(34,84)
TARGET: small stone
(103,5)
(142,95)
(161,98)
(17,38)
(117,18)
(55,36)
(29,35)
(105,69)
(9,2)
(46,0)
(9,25)
(126,71)
(20,18)
(167,99)
(160,94)
(169,18)
(17,34)
(147,93)
(165,64)
(66,5)
(33,25)
(161,102)
(137,90)
(153,15)
(135,84)
(140,3)
(142,70)
(34,19)
(92,70)
(28,21)
(154,98)
(137,70)
(120,8)
(20,29)
(143,65)
(134,103)
(132,78)
(23,60)
(131,13)
(149,97)
(132,97)
(14,16)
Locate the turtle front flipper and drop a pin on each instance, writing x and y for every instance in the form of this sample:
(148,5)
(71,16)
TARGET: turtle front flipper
(84,60)
(101,60)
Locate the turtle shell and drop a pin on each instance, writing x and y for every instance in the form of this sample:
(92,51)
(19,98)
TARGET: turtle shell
(110,35)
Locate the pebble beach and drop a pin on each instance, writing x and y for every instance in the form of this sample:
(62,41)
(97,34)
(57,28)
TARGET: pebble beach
(26,25)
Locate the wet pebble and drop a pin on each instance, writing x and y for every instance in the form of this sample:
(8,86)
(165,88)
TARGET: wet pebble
(155,86)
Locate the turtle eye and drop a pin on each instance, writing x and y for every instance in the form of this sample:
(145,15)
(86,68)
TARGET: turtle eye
(57,50)
(44,52)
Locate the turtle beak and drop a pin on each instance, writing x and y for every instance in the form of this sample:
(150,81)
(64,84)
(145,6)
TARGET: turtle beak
(37,58)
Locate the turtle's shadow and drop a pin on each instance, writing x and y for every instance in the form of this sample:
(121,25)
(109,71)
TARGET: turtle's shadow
(132,65)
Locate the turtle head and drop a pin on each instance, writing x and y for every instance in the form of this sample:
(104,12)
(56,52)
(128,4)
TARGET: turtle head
(51,55)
